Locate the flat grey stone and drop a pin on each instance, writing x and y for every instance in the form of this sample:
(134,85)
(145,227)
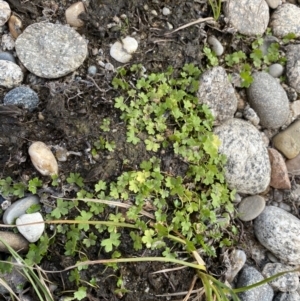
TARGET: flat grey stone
(248,167)
(51,50)
(293,66)
(248,17)
(251,207)
(31,232)
(7,56)
(216,91)
(22,96)
(285,20)
(14,240)
(249,275)
(287,283)
(18,208)
(291,296)
(279,232)
(11,74)
(269,100)
(276,70)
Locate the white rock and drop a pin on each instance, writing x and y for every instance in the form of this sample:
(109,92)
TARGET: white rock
(7,42)
(166,11)
(276,70)
(122,51)
(43,159)
(72,14)
(31,232)
(5,12)
(217,47)
(11,74)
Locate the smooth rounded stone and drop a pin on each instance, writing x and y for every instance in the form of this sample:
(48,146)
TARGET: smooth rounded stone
(279,174)
(251,115)
(15,26)
(19,208)
(295,108)
(251,207)
(293,66)
(122,51)
(31,232)
(10,74)
(216,46)
(7,56)
(166,11)
(7,42)
(5,12)
(295,194)
(217,93)
(92,70)
(237,261)
(248,17)
(249,275)
(269,100)
(279,232)
(51,50)
(273,3)
(15,241)
(293,166)
(22,96)
(72,13)
(286,283)
(276,70)
(43,159)
(248,167)
(290,296)
(272,258)
(288,141)
(285,19)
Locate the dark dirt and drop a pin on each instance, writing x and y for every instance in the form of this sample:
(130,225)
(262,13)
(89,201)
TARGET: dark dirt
(72,108)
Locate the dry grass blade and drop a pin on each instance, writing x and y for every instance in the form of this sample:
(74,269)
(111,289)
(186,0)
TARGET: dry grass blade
(3,283)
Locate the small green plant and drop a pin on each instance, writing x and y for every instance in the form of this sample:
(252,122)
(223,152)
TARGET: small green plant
(211,56)
(216,6)
(105,125)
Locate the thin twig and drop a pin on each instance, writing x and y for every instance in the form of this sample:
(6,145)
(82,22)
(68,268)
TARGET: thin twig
(191,288)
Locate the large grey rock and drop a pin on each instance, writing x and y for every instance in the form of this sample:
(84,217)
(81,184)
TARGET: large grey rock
(291,296)
(51,50)
(249,275)
(269,100)
(11,74)
(285,20)
(279,232)
(18,208)
(22,96)
(293,66)
(248,167)
(248,17)
(216,91)
(288,282)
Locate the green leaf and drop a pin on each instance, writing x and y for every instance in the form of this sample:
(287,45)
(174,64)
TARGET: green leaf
(34,184)
(62,208)
(75,178)
(101,185)
(147,239)
(81,293)
(84,217)
(113,240)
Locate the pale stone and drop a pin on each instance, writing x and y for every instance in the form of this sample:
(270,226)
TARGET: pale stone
(217,47)
(293,166)
(43,159)
(236,260)
(72,14)
(15,241)
(5,12)
(251,207)
(122,51)
(295,107)
(15,26)
(11,74)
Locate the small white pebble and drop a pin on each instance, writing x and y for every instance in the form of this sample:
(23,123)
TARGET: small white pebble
(154,12)
(217,47)
(123,16)
(166,11)
(276,70)
(92,70)
(170,26)
(109,67)
(146,7)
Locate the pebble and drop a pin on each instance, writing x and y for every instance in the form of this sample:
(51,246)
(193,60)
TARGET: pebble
(279,232)
(43,159)
(276,70)
(273,3)
(122,51)
(18,208)
(10,74)
(277,195)
(251,207)
(15,241)
(217,47)
(248,167)
(7,56)
(295,108)
(293,166)
(237,261)
(31,232)
(109,67)
(15,26)
(22,96)
(285,19)
(92,70)
(279,174)
(166,11)
(251,115)
(293,66)
(72,13)
(288,141)
(249,275)
(286,283)
(248,17)
(5,12)
(217,93)
(290,296)
(51,50)
(285,207)
(269,100)
(7,42)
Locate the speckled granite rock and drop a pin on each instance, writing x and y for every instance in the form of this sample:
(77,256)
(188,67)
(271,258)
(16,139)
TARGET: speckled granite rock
(293,66)
(248,17)
(291,296)
(11,74)
(216,91)
(248,167)
(249,275)
(269,100)
(279,232)
(51,50)
(285,19)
